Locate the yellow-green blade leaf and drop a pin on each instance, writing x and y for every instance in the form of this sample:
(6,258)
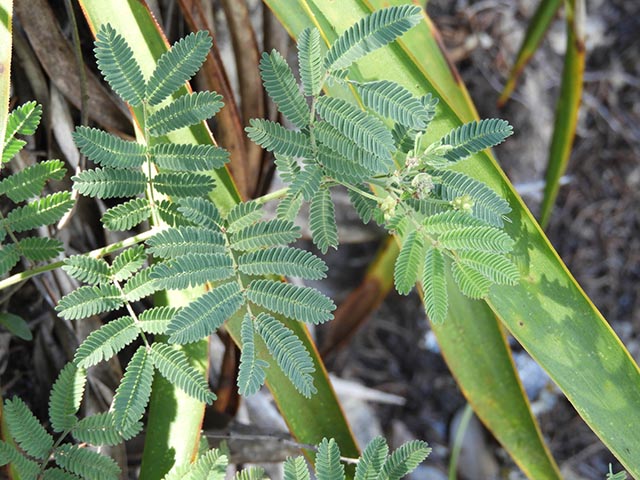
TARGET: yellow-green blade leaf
(6,15)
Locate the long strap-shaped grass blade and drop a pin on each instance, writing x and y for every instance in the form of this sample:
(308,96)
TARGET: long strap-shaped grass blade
(568,106)
(538,26)
(547,312)
(174,420)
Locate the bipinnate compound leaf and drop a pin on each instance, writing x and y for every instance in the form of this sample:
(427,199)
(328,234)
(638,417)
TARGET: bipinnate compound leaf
(310,61)
(289,207)
(105,342)
(434,286)
(404,460)
(29,182)
(186,157)
(304,304)
(322,221)
(118,65)
(128,263)
(127,215)
(169,214)
(338,165)
(265,234)
(65,397)
(23,120)
(307,182)
(183,184)
(251,374)
(481,238)
(471,282)
(210,466)
(288,351)
(409,262)
(86,463)
(26,429)
(364,130)
(132,395)
(110,183)
(205,314)
(200,211)
(296,469)
(187,110)
(24,467)
(191,270)
(182,240)
(281,85)
(177,66)
(474,137)
(87,269)
(289,261)
(372,32)
(40,249)
(174,366)
(11,149)
(156,320)
(364,207)
(328,466)
(451,220)
(140,285)
(273,137)
(45,211)
(89,300)
(287,167)
(100,429)
(250,473)
(56,473)
(393,101)
(372,460)
(497,268)
(108,150)
(242,215)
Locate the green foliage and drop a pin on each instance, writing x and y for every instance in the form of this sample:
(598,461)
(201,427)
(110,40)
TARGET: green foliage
(273,137)
(372,460)
(175,241)
(395,102)
(29,182)
(46,211)
(265,234)
(191,270)
(134,390)
(110,183)
(87,269)
(89,300)
(310,61)
(328,466)
(408,263)
(107,341)
(26,429)
(177,156)
(86,463)
(39,249)
(108,150)
(23,120)
(127,215)
(404,460)
(474,137)
(66,396)
(100,429)
(183,184)
(251,374)
(322,221)
(288,261)
(187,110)
(434,285)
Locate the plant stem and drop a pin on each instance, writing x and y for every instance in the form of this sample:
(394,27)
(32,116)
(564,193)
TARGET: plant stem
(98,253)
(272,196)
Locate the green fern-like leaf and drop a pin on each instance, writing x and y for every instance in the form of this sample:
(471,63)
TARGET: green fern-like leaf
(328,466)
(23,120)
(46,211)
(434,286)
(187,110)
(273,137)
(183,184)
(128,263)
(251,374)
(288,168)
(182,240)
(87,269)
(9,257)
(192,269)
(27,469)
(471,282)
(484,239)
(141,285)
(250,473)
(210,466)
(404,460)
(497,268)
(265,234)
(393,101)
(304,304)
(307,182)
(322,221)
(174,366)
(282,87)
(310,61)
(451,220)
(65,397)
(186,157)
(12,148)
(89,300)
(288,261)
(409,262)
(56,473)
(105,342)
(39,249)
(372,32)
(373,458)
(204,315)
(364,130)
(474,137)
(118,65)
(242,215)
(156,320)
(134,390)
(127,215)
(337,165)
(335,141)
(200,211)
(108,150)
(288,351)
(100,429)
(29,182)
(296,469)
(169,214)
(26,429)
(110,183)
(289,207)
(177,66)
(86,463)
(488,205)
(364,207)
